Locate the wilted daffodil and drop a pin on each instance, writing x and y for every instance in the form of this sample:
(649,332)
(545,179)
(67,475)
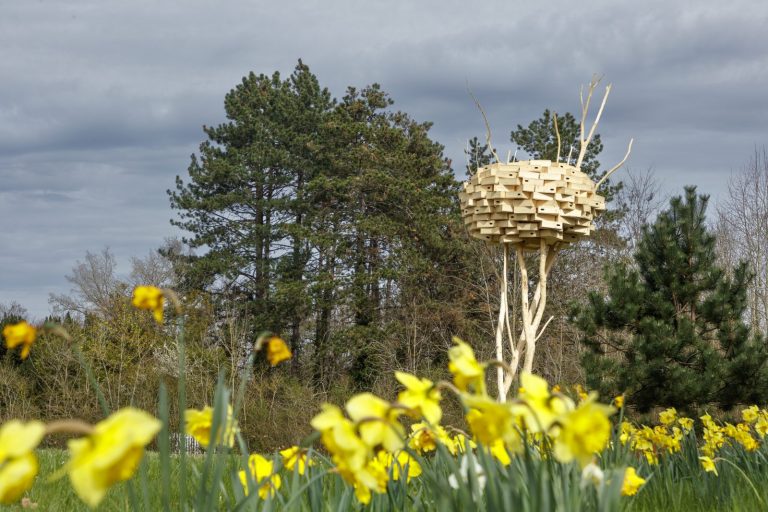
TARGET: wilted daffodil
(110,454)
(277,351)
(468,374)
(18,463)
(420,396)
(295,456)
(261,473)
(20,334)
(198,424)
(632,482)
(376,421)
(151,298)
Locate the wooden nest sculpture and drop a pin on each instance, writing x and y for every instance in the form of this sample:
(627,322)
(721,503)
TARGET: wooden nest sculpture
(533,205)
(525,203)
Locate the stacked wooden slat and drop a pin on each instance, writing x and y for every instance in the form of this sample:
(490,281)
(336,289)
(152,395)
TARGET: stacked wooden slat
(525,202)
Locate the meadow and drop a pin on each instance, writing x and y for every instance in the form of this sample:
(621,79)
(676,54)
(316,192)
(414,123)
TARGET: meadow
(546,448)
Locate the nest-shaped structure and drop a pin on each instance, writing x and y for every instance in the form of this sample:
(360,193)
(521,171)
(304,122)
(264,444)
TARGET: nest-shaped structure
(529,201)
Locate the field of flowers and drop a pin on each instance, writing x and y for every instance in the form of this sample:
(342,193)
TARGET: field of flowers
(547,448)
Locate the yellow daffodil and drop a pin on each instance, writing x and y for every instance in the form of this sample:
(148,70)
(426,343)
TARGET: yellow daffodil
(584,432)
(581,392)
(340,438)
(468,374)
(110,454)
(277,351)
(668,416)
(425,438)
(750,414)
(761,426)
(295,456)
(18,463)
(632,482)
(150,298)
(372,478)
(400,463)
(420,396)
(686,424)
(198,424)
(619,401)
(377,421)
(708,464)
(20,334)
(627,431)
(261,473)
(491,421)
(538,408)
(499,450)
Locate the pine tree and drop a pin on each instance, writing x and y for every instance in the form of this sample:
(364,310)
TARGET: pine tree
(670,332)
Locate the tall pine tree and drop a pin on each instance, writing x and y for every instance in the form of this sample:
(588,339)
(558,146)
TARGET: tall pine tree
(670,330)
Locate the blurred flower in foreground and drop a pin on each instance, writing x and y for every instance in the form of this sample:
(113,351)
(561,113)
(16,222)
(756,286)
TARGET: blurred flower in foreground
(277,351)
(261,472)
(198,424)
(592,474)
(421,396)
(463,477)
(584,432)
(632,482)
(402,463)
(468,374)
(20,334)
(150,298)
(18,463)
(111,453)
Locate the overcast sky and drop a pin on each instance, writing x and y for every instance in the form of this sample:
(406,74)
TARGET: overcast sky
(102,103)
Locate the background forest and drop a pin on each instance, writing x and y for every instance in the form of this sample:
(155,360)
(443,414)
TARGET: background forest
(334,222)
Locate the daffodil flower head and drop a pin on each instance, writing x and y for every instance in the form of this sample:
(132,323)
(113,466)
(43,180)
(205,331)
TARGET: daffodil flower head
(750,414)
(538,408)
(18,463)
(295,456)
(340,437)
(425,438)
(22,334)
(377,422)
(632,482)
(708,464)
(150,298)
(110,454)
(261,473)
(583,432)
(277,351)
(398,464)
(199,422)
(668,416)
(420,396)
(468,374)
(491,421)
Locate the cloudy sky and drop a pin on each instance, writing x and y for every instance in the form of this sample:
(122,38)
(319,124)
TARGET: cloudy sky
(101,103)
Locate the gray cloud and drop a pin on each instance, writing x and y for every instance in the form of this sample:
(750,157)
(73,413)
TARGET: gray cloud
(102,104)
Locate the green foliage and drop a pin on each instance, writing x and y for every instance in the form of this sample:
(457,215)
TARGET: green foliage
(670,330)
(324,220)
